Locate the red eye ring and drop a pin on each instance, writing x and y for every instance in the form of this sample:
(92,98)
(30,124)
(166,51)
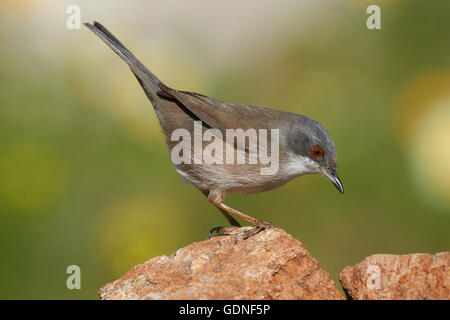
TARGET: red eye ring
(316,152)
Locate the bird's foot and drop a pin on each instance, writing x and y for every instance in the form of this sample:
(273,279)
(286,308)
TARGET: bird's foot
(247,233)
(223,231)
(260,226)
(266,225)
(241,232)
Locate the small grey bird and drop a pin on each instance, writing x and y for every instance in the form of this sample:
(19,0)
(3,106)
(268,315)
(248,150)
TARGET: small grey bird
(304,145)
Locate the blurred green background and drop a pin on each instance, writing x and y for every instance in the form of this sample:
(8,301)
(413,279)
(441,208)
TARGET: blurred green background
(86,179)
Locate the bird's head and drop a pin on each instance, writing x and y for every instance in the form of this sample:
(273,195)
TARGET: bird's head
(313,150)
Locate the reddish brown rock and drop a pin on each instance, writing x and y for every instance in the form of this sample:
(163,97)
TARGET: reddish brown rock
(414,276)
(269,265)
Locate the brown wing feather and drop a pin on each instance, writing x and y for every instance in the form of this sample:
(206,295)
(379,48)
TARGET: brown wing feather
(222,115)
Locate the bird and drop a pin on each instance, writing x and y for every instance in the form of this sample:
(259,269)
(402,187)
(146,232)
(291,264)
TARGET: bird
(304,145)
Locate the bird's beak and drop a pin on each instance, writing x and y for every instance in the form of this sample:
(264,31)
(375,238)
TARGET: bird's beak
(334,178)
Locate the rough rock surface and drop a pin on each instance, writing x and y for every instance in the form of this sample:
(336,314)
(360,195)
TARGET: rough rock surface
(414,276)
(269,265)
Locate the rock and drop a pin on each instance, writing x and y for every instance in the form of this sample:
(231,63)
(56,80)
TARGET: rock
(414,276)
(268,265)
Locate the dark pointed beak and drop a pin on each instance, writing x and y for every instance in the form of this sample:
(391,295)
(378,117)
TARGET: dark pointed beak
(334,178)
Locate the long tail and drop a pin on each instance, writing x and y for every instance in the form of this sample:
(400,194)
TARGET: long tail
(149,82)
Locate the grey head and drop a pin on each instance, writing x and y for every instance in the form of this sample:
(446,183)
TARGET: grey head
(313,150)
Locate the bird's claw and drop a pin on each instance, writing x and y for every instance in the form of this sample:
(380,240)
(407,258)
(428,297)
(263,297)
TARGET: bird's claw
(215,229)
(222,231)
(246,234)
(260,226)
(231,230)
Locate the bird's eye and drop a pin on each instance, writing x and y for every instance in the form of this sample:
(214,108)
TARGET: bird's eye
(316,152)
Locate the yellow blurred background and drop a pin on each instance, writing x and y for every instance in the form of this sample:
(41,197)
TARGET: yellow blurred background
(85,176)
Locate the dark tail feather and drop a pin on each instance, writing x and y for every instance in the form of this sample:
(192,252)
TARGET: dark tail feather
(148,80)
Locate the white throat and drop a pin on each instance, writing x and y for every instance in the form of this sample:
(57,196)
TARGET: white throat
(299,166)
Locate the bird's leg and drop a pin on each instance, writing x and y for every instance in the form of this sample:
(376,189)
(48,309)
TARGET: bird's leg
(259,224)
(230,219)
(256,222)
(216,197)
(223,230)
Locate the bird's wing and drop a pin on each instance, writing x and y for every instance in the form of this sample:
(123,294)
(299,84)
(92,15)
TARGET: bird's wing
(222,115)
